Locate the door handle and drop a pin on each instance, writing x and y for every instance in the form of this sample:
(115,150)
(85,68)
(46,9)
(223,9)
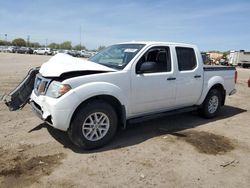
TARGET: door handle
(197,76)
(171,78)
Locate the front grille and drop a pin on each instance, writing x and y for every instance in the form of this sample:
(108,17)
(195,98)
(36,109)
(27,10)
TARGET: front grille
(41,85)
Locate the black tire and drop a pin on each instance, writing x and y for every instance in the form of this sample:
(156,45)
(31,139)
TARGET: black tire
(75,132)
(204,111)
(46,53)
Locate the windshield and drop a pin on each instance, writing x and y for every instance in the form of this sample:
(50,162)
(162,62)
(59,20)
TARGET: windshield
(117,56)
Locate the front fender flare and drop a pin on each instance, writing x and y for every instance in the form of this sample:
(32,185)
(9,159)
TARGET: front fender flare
(90,90)
(87,91)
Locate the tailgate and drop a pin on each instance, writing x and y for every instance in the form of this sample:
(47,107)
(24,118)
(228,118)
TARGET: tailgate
(19,97)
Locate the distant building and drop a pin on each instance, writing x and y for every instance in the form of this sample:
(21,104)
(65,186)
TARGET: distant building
(215,55)
(240,58)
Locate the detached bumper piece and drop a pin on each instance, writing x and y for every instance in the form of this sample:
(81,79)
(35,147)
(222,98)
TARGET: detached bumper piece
(233,92)
(19,97)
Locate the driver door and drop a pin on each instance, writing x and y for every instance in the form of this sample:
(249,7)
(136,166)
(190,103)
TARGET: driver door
(153,90)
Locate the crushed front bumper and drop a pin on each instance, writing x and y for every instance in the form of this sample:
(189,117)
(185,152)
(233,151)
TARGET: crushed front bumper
(55,112)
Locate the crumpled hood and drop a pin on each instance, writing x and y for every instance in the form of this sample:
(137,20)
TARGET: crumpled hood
(63,63)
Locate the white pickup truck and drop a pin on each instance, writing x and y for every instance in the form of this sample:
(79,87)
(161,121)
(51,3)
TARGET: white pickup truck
(125,82)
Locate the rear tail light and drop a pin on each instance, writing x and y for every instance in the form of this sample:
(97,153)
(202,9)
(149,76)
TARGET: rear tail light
(249,82)
(235,76)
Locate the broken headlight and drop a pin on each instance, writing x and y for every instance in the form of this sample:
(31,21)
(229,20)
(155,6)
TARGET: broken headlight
(57,89)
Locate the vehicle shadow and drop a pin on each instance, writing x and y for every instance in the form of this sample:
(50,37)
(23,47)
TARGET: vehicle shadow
(140,132)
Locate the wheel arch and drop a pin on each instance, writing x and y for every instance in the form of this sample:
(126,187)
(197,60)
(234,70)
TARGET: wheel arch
(113,101)
(220,88)
(215,82)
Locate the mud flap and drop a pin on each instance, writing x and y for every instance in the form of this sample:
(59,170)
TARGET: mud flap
(19,97)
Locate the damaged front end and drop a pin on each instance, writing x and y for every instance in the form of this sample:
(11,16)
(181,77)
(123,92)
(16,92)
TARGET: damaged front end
(59,68)
(20,96)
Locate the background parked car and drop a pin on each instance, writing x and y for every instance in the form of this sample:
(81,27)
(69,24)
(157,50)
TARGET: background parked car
(43,51)
(54,51)
(10,49)
(63,51)
(4,49)
(74,53)
(85,53)
(15,49)
(1,48)
(93,53)
(24,50)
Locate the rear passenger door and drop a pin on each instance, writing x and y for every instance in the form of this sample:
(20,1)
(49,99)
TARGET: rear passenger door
(189,78)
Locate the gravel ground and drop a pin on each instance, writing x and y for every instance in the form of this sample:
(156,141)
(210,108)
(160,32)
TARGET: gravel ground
(177,151)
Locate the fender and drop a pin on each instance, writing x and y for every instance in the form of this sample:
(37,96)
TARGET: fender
(92,89)
(87,91)
(76,96)
(211,82)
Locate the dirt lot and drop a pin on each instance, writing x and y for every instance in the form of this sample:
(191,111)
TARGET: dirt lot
(178,151)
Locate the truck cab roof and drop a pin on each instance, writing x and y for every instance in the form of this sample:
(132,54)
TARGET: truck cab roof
(158,43)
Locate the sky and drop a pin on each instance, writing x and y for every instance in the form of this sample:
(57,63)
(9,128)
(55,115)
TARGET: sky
(211,24)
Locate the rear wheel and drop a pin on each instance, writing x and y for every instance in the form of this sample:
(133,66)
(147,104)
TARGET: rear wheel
(212,104)
(93,125)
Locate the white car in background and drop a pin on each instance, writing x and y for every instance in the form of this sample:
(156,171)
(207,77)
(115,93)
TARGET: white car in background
(85,53)
(43,51)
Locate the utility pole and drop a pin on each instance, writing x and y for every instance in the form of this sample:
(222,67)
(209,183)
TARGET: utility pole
(28,40)
(5,39)
(80,38)
(46,42)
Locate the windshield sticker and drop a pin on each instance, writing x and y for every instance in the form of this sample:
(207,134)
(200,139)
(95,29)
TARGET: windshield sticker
(131,50)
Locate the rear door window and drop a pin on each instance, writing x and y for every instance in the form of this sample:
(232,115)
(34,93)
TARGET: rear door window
(186,58)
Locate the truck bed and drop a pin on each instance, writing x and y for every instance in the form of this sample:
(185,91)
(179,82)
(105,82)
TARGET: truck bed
(217,68)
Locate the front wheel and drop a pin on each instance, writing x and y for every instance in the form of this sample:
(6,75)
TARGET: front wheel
(212,104)
(93,125)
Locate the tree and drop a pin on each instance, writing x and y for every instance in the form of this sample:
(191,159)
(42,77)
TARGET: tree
(66,45)
(80,47)
(54,45)
(19,42)
(3,42)
(225,54)
(100,48)
(34,45)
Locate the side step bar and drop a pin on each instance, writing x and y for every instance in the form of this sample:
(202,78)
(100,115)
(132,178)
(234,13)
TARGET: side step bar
(162,114)
(19,97)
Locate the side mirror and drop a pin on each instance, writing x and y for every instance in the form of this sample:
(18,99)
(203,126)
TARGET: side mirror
(147,67)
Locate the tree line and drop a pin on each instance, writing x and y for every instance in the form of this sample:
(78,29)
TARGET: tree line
(67,45)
